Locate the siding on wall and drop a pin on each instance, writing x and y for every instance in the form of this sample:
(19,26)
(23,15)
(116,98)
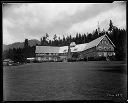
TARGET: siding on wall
(102,49)
(105,45)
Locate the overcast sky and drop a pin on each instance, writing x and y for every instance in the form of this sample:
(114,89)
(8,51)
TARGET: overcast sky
(33,20)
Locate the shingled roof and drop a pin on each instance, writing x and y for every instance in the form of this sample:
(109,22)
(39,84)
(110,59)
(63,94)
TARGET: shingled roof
(77,48)
(47,49)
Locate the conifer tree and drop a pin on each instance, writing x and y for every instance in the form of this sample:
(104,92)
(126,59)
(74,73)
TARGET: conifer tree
(26,43)
(110,26)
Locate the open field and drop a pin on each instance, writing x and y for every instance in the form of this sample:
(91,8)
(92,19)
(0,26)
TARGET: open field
(65,81)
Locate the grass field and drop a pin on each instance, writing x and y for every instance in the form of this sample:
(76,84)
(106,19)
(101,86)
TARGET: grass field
(65,81)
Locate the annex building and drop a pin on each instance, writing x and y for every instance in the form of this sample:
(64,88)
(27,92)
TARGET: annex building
(100,47)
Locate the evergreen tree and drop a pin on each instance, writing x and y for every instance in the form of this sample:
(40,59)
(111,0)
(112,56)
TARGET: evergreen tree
(110,26)
(26,43)
(77,39)
(95,35)
(55,40)
(85,39)
(55,37)
(41,41)
(89,37)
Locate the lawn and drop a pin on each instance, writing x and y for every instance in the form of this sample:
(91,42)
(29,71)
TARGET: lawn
(65,81)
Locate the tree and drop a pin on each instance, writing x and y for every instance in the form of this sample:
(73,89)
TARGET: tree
(44,41)
(41,41)
(85,38)
(110,26)
(55,40)
(75,55)
(55,37)
(26,43)
(95,35)
(46,36)
(77,38)
(89,37)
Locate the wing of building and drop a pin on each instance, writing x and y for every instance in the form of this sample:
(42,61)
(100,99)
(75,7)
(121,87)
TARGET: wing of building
(100,47)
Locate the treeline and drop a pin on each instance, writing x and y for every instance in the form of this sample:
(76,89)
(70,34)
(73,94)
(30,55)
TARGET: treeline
(19,54)
(118,37)
(78,39)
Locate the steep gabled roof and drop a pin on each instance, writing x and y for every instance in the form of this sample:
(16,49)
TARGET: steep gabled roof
(93,43)
(110,40)
(85,46)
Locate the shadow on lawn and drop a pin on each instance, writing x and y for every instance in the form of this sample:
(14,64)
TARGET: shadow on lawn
(114,69)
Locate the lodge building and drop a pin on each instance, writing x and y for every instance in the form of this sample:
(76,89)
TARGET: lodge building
(100,47)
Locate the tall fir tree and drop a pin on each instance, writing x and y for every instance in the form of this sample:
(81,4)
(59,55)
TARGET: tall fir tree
(26,43)
(110,26)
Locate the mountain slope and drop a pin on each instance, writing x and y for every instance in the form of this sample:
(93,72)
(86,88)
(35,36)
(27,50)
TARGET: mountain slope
(32,42)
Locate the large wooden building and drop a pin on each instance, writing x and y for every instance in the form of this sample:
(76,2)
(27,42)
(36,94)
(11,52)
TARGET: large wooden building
(100,47)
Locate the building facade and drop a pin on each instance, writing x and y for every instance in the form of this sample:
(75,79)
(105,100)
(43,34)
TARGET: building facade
(100,47)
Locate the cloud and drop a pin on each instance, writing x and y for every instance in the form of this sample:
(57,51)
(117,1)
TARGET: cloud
(33,20)
(117,14)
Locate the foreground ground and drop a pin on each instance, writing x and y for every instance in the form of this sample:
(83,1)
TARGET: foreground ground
(65,81)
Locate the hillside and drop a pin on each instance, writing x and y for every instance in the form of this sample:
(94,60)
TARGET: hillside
(32,42)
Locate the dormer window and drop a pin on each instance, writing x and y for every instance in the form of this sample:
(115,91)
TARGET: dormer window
(75,49)
(65,50)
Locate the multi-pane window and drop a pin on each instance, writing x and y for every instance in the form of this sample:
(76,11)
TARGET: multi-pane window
(100,54)
(100,48)
(109,48)
(110,54)
(105,48)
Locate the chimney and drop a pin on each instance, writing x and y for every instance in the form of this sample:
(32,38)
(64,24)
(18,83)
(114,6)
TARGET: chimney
(69,52)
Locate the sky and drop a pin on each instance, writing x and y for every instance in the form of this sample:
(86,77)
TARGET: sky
(33,20)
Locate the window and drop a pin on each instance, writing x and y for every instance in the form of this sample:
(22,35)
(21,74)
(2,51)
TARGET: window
(100,54)
(65,50)
(75,49)
(109,48)
(50,58)
(100,48)
(105,48)
(110,54)
(105,42)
